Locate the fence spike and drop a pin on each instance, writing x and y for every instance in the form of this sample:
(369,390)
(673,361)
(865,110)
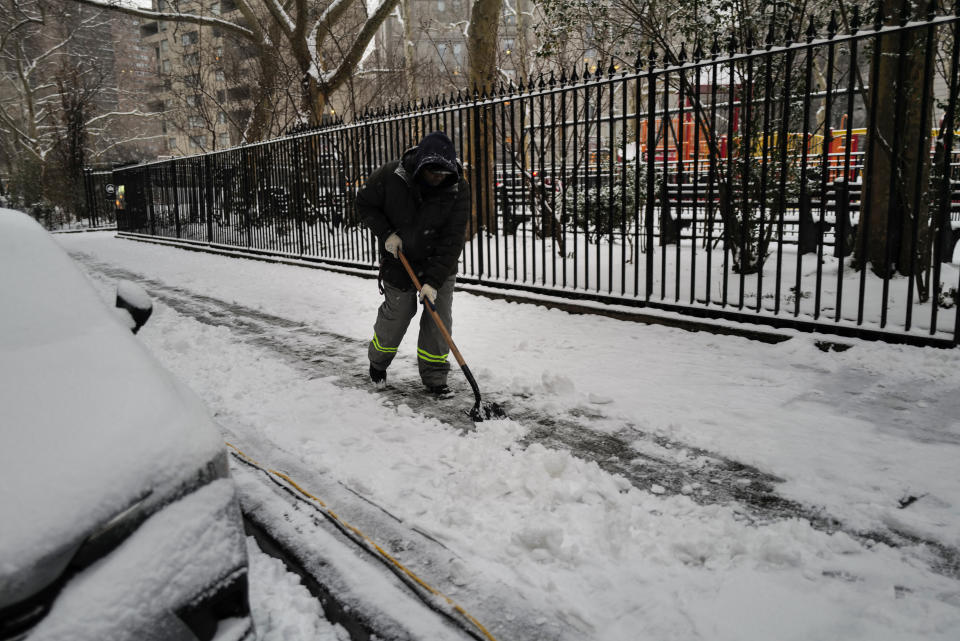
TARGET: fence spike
(612,69)
(553,81)
(715,47)
(639,61)
(732,45)
(791,36)
(682,56)
(573,76)
(540,83)
(855,19)
(520,85)
(878,20)
(749,42)
(697,50)
(832,25)
(771,35)
(652,56)
(811,30)
(503,89)
(586,71)
(563,76)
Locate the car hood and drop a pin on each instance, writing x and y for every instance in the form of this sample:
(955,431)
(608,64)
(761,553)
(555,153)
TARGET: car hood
(90,423)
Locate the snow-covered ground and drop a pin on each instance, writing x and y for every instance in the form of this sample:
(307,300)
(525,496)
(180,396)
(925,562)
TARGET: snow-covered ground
(853,436)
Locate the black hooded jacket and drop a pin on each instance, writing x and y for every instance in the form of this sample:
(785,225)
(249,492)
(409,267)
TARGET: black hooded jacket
(431,221)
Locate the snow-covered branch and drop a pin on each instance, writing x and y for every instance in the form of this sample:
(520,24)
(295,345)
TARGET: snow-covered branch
(353,55)
(190,18)
(280,16)
(328,18)
(111,114)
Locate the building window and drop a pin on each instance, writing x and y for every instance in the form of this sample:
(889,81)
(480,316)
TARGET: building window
(190,38)
(166,66)
(191,59)
(221,96)
(198,142)
(196,121)
(222,118)
(164,45)
(223,140)
(220,77)
(441,5)
(171,143)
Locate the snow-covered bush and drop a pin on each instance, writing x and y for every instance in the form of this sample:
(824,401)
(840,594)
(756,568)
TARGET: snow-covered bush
(601,210)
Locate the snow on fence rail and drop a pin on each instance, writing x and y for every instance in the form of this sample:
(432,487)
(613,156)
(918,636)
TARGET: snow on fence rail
(733,186)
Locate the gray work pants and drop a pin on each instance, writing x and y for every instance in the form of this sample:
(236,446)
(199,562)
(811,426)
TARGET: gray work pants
(393,318)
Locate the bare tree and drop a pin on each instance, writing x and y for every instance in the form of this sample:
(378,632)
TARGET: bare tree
(311,35)
(58,109)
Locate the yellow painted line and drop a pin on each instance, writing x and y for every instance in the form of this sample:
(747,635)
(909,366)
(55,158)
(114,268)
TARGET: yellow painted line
(386,555)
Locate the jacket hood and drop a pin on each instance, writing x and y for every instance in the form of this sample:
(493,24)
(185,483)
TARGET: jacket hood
(435,149)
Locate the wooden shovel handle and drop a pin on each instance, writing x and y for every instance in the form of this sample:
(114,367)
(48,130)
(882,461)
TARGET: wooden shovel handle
(433,311)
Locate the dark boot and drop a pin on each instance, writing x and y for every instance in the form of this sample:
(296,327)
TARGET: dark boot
(441,391)
(378,376)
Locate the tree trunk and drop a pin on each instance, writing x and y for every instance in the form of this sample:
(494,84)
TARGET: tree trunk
(894,214)
(482,51)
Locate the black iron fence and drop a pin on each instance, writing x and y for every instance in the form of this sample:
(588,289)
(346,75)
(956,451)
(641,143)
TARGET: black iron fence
(100,199)
(811,184)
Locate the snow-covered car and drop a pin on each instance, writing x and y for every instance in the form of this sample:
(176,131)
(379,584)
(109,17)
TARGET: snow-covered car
(118,518)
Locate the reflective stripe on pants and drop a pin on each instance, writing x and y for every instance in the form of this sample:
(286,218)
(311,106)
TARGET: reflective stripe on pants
(393,318)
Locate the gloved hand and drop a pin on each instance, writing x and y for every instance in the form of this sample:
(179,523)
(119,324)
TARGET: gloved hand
(428,292)
(393,244)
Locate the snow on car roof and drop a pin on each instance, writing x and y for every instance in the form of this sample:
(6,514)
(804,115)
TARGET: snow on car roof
(89,421)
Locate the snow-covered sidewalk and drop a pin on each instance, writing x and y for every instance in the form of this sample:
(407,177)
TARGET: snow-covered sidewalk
(853,435)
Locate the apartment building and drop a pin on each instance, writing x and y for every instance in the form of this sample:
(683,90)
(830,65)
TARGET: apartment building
(199,87)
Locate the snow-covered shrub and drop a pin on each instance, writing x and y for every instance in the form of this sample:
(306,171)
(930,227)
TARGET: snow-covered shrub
(601,210)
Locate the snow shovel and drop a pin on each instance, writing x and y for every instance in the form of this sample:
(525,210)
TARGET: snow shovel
(481,410)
